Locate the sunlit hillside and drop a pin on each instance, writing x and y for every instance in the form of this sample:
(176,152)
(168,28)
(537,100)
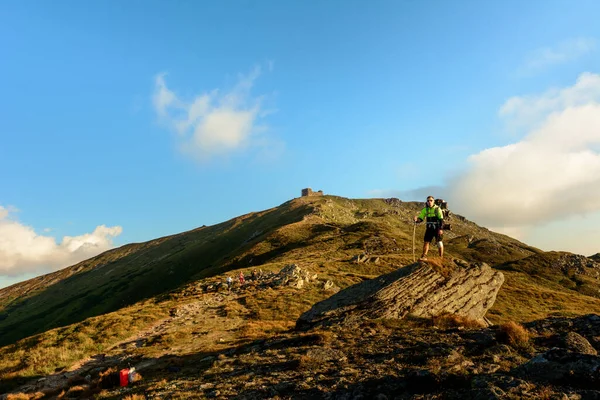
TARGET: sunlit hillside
(164,302)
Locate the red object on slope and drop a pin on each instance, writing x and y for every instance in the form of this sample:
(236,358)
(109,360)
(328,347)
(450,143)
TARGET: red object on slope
(124,377)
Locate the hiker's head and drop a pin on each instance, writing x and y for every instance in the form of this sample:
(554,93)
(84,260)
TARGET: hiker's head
(430,201)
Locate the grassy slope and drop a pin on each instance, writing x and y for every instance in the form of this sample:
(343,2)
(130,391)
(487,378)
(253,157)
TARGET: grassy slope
(320,234)
(126,275)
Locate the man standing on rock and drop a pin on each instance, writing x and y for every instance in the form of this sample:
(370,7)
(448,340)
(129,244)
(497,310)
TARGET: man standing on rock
(434,219)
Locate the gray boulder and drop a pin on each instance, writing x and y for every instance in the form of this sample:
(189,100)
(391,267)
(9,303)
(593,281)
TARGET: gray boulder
(419,289)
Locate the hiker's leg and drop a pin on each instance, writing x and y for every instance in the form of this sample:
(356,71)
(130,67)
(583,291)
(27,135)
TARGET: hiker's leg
(429,235)
(439,237)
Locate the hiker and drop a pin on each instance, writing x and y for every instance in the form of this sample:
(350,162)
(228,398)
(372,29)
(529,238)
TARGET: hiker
(242,280)
(434,219)
(254,275)
(229,282)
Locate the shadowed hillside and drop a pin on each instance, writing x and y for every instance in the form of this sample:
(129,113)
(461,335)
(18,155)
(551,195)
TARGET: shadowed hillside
(164,301)
(134,272)
(316,229)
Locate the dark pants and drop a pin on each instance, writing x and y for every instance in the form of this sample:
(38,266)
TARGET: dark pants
(430,233)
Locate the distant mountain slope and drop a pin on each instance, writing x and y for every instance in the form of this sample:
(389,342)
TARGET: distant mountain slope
(128,274)
(561,269)
(162,305)
(327,231)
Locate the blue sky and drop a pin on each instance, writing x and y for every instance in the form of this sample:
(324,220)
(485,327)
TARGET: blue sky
(126,121)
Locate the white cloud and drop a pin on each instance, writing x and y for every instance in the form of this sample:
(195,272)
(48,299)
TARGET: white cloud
(23,251)
(552,174)
(528,111)
(577,234)
(163,98)
(216,122)
(560,53)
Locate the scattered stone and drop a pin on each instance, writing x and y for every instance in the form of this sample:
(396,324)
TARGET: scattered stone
(559,366)
(573,341)
(360,258)
(292,275)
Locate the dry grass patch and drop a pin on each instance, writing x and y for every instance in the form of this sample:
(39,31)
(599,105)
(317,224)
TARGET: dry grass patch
(443,267)
(234,309)
(18,396)
(286,303)
(515,335)
(58,348)
(260,329)
(78,391)
(449,320)
(306,362)
(524,298)
(326,336)
(135,397)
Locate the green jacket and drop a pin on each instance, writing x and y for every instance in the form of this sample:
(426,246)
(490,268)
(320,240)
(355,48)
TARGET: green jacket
(434,216)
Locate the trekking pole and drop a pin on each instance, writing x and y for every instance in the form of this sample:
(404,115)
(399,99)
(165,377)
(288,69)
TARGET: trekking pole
(414,230)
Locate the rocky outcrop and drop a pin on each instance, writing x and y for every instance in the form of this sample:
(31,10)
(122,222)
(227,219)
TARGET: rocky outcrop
(561,366)
(571,359)
(292,275)
(575,334)
(420,289)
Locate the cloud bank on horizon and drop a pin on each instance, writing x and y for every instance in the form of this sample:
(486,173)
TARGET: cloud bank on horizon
(552,173)
(216,123)
(545,184)
(23,251)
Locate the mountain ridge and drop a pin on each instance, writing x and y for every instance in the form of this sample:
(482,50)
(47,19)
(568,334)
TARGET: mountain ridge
(159,265)
(110,303)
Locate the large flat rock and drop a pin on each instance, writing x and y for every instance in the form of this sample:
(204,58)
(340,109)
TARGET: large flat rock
(421,290)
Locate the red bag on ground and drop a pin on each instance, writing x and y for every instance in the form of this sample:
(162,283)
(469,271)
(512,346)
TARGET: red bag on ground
(124,377)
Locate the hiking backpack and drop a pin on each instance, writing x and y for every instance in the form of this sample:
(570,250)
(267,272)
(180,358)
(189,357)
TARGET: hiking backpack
(443,205)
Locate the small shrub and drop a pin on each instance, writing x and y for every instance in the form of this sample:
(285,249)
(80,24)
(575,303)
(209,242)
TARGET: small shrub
(515,335)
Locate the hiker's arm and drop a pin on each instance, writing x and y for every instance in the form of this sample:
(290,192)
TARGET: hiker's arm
(421,216)
(440,219)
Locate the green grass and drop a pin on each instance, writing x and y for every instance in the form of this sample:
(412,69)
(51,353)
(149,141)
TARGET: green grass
(56,320)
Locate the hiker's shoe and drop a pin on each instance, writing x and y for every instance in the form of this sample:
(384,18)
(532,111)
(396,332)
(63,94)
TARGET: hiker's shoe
(423,258)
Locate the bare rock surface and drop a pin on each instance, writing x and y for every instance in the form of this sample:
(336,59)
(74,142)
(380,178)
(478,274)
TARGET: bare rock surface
(561,366)
(421,289)
(586,327)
